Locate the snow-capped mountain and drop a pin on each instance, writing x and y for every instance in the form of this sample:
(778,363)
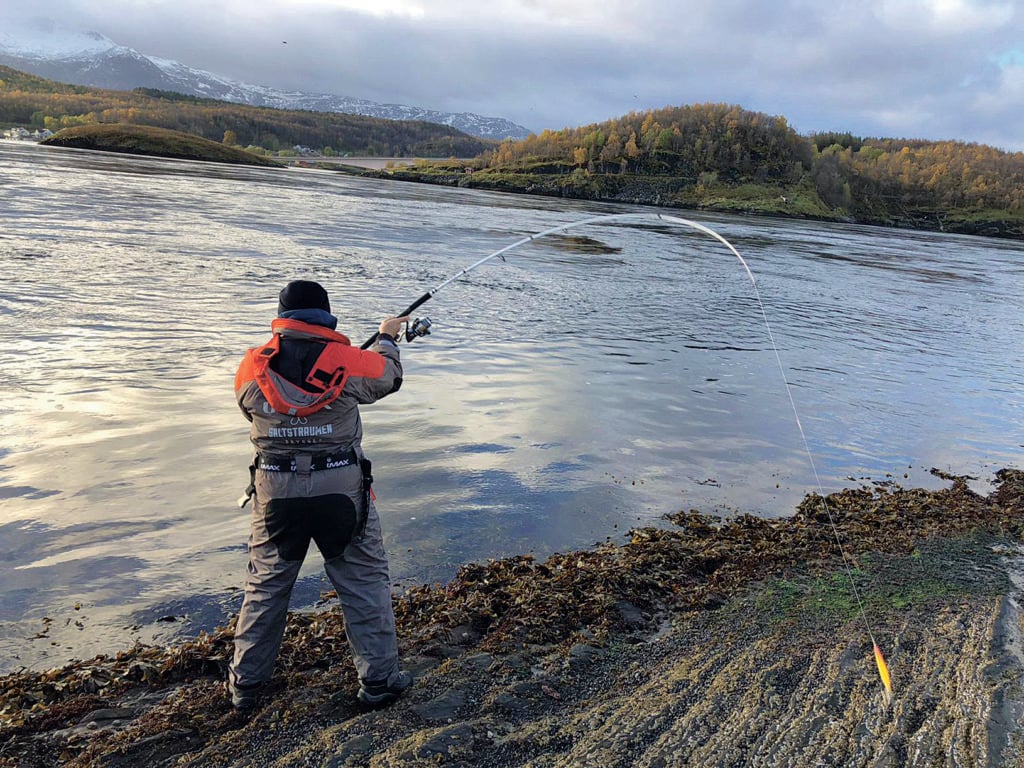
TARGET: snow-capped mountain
(91,59)
(44,39)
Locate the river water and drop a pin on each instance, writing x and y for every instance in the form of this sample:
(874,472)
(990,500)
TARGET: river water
(595,381)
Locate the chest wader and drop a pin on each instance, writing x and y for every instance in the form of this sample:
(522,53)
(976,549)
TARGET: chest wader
(350,541)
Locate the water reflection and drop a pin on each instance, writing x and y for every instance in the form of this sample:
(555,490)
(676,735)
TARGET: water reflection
(589,384)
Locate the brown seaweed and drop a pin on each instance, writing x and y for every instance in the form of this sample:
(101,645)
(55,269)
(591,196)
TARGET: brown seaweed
(692,563)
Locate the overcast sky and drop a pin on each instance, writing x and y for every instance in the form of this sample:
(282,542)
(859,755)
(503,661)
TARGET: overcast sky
(934,69)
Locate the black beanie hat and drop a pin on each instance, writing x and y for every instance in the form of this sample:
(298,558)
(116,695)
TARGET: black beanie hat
(303,294)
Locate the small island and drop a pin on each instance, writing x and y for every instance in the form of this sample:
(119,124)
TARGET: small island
(149,140)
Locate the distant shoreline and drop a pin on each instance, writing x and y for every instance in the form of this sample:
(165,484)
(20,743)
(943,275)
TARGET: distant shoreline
(369,163)
(794,202)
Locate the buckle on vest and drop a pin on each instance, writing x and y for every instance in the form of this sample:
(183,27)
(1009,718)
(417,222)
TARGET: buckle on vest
(320,377)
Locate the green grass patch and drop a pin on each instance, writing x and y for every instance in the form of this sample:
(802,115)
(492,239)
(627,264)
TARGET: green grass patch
(937,570)
(762,199)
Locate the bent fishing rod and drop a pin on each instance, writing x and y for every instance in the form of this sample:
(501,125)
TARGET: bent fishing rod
(421,327)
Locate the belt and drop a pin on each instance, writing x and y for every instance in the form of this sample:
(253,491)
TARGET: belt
(270,463)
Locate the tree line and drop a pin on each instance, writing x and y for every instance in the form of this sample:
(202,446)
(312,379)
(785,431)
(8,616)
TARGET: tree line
(736,144)
(937,174)
(719,145)
(32,101)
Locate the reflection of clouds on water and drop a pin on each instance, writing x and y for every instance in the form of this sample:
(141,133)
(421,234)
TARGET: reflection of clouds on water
(593,380)
(24,492)
(76,557)
(488,448)
(49,571)
(496,513)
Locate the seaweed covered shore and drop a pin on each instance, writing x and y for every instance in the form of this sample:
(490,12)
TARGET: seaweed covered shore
(720,642)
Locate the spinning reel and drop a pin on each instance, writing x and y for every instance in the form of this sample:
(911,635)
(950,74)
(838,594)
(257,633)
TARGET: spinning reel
(418,328)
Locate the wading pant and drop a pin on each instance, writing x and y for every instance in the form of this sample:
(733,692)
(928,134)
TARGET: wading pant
(290,509)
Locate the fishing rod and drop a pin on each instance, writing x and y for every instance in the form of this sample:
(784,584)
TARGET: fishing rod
(421,327)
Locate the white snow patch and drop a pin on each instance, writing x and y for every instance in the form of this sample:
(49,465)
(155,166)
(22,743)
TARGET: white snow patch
(46,39)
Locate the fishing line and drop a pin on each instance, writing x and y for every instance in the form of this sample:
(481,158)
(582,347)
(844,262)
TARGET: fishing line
(883,669)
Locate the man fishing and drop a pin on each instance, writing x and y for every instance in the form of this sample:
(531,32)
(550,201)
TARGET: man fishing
(310,480)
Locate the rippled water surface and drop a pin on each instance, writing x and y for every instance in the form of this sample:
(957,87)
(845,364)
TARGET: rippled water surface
(595,381)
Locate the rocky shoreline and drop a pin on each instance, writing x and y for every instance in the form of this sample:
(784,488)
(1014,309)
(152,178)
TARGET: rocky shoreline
(706,642)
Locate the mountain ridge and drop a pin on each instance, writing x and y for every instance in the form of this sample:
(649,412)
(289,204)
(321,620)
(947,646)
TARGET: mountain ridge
(89,58)
(30,100)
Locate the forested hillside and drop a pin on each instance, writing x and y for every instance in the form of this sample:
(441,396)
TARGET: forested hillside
(733,143)
(940,174)
(30,101)
(723,157)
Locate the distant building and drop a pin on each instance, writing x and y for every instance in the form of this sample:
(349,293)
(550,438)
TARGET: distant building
(23,134)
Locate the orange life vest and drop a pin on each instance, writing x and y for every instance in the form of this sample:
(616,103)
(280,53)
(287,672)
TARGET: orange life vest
(337,362)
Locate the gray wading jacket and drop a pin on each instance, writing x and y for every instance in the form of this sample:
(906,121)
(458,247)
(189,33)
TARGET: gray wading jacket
(301,390)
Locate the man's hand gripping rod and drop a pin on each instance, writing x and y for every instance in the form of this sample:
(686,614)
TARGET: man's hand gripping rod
(416,328)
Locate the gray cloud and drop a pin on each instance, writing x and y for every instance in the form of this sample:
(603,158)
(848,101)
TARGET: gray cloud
(937,69)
